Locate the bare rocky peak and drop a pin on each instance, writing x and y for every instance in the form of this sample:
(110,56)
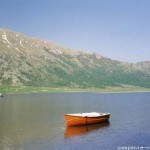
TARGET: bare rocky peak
(24,45)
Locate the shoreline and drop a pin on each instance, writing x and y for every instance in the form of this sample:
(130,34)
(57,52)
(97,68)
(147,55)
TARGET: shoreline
(42,90)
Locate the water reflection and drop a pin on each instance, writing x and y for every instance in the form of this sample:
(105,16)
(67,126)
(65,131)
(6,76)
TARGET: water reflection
(78,130)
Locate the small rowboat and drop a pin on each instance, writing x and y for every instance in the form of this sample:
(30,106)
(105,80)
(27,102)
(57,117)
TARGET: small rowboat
(85,118)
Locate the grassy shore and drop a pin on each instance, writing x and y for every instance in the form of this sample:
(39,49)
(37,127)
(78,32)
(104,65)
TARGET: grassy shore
(30,89)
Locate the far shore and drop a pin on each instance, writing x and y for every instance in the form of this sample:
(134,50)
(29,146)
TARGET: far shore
(31,89)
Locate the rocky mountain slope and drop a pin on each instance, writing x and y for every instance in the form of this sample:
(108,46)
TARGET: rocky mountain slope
(36,62)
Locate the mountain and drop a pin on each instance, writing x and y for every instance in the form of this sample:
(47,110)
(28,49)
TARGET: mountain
(35,62)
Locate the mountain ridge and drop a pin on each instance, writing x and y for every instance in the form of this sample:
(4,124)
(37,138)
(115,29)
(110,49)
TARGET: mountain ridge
(33,61)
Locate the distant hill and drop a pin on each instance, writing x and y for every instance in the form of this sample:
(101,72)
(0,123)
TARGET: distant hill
(32,61)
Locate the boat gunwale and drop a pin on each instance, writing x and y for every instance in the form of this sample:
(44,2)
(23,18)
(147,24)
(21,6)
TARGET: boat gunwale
(98,116)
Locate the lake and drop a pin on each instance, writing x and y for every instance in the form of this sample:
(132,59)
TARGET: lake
(35,121)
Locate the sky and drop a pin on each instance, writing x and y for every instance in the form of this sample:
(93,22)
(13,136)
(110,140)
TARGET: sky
(117,29)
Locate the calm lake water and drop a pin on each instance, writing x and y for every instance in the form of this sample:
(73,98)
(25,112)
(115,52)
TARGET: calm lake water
(35,121)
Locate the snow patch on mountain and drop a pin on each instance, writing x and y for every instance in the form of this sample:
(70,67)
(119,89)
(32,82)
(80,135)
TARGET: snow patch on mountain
(4,37)
(21,43)
(55,51)
(19,50)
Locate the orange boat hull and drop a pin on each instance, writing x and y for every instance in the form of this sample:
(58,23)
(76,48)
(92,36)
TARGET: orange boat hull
(78,120)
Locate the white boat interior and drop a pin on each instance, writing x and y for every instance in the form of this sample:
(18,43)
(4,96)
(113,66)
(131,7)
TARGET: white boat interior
(91,114)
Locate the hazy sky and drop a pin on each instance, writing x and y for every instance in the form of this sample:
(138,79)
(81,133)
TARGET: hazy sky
(118,29)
